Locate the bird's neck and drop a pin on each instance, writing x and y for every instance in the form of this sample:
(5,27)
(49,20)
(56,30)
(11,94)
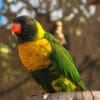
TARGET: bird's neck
(40,31)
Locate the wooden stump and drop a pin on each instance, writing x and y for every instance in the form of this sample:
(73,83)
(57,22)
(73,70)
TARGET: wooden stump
(85,95)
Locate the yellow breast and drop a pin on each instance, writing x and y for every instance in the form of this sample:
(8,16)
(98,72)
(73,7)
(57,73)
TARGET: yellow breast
(35,55)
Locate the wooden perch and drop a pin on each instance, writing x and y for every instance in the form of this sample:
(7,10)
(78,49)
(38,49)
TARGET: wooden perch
(86,95)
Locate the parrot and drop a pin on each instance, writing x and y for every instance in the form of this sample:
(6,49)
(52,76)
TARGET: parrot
(49,63)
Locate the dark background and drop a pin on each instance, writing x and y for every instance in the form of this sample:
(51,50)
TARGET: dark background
(81,29)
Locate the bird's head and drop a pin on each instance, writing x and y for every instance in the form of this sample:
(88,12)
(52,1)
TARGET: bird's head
(26,28)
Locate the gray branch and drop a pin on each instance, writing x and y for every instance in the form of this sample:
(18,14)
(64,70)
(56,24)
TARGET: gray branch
(85,95)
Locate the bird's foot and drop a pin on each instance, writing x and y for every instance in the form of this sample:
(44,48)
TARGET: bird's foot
(45,96)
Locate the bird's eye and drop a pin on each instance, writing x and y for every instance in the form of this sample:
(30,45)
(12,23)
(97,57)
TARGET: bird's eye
(29,22)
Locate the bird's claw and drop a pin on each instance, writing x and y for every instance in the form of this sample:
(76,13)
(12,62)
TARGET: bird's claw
(45,96)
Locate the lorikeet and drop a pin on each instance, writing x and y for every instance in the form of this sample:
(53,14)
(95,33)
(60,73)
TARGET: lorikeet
(48,61)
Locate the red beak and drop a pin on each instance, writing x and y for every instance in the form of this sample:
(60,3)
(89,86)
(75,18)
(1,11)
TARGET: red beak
(16,28)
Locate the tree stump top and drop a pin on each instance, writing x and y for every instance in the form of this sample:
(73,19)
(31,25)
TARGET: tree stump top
(85,95)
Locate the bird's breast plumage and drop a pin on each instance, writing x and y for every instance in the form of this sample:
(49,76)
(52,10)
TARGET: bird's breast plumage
(35,54)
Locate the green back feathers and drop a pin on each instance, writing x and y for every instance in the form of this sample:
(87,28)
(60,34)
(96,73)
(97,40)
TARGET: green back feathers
(63,63)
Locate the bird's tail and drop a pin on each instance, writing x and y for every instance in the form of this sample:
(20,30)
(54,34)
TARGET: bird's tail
(82,86)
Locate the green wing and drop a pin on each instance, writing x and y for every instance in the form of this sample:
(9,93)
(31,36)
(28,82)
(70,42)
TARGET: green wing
(63,62)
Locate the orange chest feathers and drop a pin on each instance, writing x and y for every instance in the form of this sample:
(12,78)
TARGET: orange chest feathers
(35,55)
